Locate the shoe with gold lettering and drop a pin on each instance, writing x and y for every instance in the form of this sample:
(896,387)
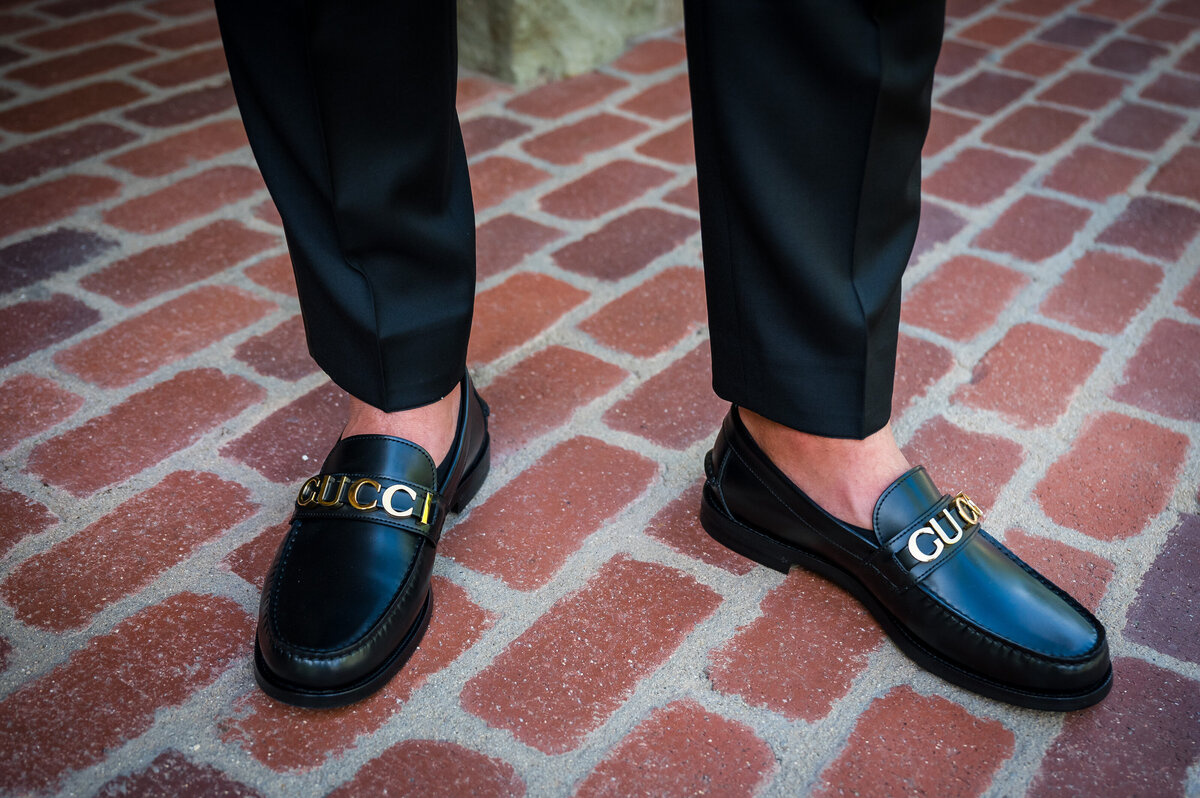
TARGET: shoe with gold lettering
(949,595)
(347,599)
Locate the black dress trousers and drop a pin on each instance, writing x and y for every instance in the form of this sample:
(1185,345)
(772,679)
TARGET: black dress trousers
(809,119)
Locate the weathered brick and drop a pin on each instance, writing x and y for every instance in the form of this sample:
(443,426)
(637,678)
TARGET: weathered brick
(21,516)
(801,654)
(976,176)
(177,152)
(292,442)
(274,273)
(511,313)
(662,100)
(1094,173)
(1031,375)
(959,459)
(525,533)
(81,64)
(48,202)
(497,178)
(109,691)
(1174,90)
(1180,175)
(1189,297)
(286,738)
(473,90)
(937,225)
(1154,227)
(910,744)
(180,8)
(433,769)
(281,352)
(30,404)
(1138,741)
(956,58)
(186,199)
(945,128)
(678,525)
(1103,292)
(676,146)
(600,642)
(25,161)
(1114,9)
(1166,613)
(1076,31)
(186,35)
(68,106)
(986,93)
(1119,474)
(185,69)
(1034,128)
(566,96)
(1171,30)
(996,30)
(930,304)
(1127,55)
(651,56)
(252,559)
(1082,574)
(1140,127)
(505,241)
(93,29)
(687,196)
(207,251)
(654,316)
(1038,60)
(122,552)
(74,8)
(142,430)
(626,244)
(1087,90)
(1034,228)
(919,364)
(173,774)
(36,324)
(1163,374)
(48,254)
(676,407)
(610,186)
(572,143)
(488,132)
(185,107)
(542,392)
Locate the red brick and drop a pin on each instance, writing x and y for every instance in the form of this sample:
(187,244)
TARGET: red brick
(110,691)
(956,58)
(1183,8)
(180,8)
(20,517)
(1153,227)
(185,69)
(15,23)
(1166,615)
(681,749)
(176,152)
(997,30)
(1140,741)
(937,225)
(1171,30)
(1088,90)
(86,31)
(1094,173)
(662,100)
(185,107)
(919,364)
(1119,474)
(5,651)
(1033,128)
(1180,175)
(515,311)
(172,774)
(599,643)
(500,177)
(507,240)
(81,64)
(184,36)
(1189,61)
(1189,298)
(10,56)
(292,442)
(68,106)
(473,90)
(208,251)
(433,769)
(1037,8)
(252,560)
(488,132)
(654,316)
(626,244)
(282,352)
(1128,56)
(185,199)
(676,146)
(958,9)
(572,143)
(30,404)
(525,533)
(542,392)
(1139,127)
(34,259)
(976,176)
(911,744)
(38,323)
(1031,375)
(678,525)
(1082,574)
(674,408)
(47,202)
(268,729)
(945,128)
(800,656)
(1114,9)
(122,552)
(932,303)
(1034,228)
(173,330)
(142,430)
(566,96)
(1163,375)
(612,185)
(651,56)
(685,196)
(269,213)
(959,459)
(1038,60)
(986,93)
(74,8)
(20,163)
(274,273)
(1076,31)
(1102,292)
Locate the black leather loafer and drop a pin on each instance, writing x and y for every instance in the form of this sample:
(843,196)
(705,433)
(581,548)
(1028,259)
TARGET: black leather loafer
(347,599)
(949,595)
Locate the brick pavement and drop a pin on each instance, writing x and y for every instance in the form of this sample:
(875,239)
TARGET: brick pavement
(158,407)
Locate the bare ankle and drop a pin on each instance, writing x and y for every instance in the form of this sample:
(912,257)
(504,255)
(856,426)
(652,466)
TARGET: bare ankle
(431,426)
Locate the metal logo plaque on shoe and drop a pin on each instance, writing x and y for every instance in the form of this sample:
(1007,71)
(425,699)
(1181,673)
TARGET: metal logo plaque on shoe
(401,504)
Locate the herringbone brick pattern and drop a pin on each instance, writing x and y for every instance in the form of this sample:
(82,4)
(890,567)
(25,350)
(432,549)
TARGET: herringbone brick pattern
(158,409)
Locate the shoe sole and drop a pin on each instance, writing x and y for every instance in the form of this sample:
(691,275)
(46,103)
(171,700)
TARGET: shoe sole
(766,550)
(341,696)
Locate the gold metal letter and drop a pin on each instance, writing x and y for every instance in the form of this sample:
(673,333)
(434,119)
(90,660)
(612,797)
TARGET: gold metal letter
(915,550)
(308,492)
(425,512)
(387,500)
(352,497)
(969,511)
(322,496)
(941,534)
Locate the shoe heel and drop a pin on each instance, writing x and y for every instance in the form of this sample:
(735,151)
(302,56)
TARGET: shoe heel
(473,480)
(742,539)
